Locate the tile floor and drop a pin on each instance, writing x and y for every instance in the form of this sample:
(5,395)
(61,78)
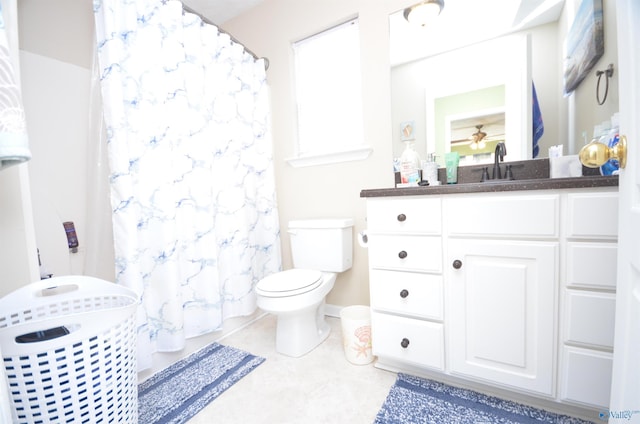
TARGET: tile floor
(317,388)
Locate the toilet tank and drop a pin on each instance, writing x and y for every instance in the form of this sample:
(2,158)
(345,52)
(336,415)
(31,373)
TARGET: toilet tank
(322,244)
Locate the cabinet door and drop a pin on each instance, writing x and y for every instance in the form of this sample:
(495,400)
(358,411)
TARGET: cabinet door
(502,311)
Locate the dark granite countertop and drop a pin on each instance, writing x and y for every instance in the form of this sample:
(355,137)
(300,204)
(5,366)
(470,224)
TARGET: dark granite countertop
(529,175)
(497,186)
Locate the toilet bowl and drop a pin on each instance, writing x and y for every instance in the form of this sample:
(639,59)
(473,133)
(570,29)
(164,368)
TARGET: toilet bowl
(320,249)
(301,325)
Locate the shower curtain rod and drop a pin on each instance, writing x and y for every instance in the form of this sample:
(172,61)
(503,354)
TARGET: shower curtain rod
(235,40)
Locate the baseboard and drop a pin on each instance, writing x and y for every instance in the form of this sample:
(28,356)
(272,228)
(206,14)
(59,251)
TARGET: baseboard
(332,310)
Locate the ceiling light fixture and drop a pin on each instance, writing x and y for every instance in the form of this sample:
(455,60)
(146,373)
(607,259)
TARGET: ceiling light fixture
(477,139)
(423,12)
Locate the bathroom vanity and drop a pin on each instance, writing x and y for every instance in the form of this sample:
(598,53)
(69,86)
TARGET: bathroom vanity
(508,287)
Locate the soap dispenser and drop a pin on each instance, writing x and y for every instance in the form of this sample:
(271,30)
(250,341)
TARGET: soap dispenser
(410,165)
(430,170)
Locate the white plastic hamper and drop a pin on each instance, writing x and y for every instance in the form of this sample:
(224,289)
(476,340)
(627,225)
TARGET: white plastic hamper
(69,351)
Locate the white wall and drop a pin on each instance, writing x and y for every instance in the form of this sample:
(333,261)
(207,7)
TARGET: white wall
(583,111)
(56,101)
(56,54)
(60,29)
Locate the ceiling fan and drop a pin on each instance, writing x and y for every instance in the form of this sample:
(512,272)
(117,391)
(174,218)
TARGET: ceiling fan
(479,135)
(479,139)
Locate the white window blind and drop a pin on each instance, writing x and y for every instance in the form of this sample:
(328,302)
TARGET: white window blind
(329,91)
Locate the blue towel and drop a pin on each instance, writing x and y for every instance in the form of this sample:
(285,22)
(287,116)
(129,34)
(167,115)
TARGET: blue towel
(538,125)
(14,147)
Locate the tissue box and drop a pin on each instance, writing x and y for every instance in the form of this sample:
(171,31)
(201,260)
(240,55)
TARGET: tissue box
(565,167)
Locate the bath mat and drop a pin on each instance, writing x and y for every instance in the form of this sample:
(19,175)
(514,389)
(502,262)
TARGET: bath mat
(416,400)
(180,391)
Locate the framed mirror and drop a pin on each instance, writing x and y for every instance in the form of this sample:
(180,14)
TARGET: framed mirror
(498,52)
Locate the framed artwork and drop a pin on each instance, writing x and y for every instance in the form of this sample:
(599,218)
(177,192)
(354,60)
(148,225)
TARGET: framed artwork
(584,44)
(407,130)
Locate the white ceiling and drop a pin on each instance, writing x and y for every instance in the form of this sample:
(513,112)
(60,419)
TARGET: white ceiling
(220,11)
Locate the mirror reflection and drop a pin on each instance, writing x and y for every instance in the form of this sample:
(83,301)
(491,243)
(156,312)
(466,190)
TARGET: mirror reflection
(475,137)
(444,63)
(462,121)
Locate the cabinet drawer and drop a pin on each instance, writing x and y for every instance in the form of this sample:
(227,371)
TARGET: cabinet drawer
(423,340)
(504,216)
(421,253)
(592,265)
(593,215)
(414,215)
(586,376)
(407,293)
(590,318)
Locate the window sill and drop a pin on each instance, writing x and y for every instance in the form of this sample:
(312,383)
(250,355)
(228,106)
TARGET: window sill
(358,153)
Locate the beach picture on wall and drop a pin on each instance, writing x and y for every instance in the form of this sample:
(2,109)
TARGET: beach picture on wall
(584,44)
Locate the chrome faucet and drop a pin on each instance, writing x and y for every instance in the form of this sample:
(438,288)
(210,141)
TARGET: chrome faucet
(500,152)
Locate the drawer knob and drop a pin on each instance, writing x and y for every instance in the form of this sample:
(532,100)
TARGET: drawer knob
(404,343)
(457,264)
(402,217)
(404,293)
(402,254)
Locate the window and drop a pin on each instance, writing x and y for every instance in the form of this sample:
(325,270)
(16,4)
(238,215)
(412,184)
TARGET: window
(329,97)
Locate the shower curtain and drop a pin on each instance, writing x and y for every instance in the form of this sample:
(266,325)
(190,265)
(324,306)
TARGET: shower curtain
(191,174)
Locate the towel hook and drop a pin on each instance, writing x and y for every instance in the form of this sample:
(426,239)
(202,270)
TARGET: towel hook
(608,74)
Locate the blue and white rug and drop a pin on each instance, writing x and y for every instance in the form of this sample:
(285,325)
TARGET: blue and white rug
(180,391)
(414,400)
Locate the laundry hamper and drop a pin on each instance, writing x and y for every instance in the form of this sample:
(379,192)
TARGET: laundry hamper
(69,351)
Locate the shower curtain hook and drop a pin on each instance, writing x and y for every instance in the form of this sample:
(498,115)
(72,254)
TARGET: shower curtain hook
(608,74)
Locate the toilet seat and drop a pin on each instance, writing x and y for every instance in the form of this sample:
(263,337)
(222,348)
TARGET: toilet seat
(289,283)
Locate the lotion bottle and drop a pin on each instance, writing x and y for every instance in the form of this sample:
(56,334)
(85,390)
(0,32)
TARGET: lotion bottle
(410,165)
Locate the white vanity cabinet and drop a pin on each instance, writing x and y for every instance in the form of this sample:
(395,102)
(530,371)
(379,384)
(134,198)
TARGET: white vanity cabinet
(502,284)
(405,278)
(588,298)
(512,289)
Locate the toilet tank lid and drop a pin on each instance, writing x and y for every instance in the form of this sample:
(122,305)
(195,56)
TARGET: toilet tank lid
(321,223)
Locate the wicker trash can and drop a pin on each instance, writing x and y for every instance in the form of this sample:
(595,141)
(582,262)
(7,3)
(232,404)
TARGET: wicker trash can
(69,351)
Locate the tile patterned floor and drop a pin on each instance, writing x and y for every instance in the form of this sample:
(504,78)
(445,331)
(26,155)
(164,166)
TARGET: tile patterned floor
(317,388)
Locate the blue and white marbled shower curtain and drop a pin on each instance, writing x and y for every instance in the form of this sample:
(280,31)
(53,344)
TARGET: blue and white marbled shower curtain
(192,183)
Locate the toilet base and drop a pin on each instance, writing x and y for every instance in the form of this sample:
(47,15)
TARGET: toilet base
(299,333)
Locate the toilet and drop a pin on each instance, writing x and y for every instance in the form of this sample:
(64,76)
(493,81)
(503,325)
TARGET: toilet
(320,249)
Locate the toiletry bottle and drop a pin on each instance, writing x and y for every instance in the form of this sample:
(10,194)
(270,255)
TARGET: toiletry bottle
(410,165)
(612,166)
(430,170)
(451,160)
(602,134)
